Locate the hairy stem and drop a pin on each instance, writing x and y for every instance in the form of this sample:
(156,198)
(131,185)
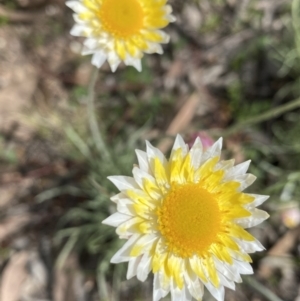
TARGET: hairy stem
(260,288)
(96,133)
(273,113)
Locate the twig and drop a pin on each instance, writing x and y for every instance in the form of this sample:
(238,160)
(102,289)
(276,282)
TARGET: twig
(264,291)
(19,16)
(180,121)
(285,244)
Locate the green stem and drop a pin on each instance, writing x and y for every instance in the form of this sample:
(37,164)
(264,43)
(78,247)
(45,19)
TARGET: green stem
(96,133)
(102,286)
(264,291)
(273,113)
(296,23)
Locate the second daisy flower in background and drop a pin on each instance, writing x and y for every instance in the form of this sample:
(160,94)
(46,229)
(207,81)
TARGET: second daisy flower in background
(121,30)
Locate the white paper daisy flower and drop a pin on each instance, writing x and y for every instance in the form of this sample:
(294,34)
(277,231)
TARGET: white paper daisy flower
(121,30)
(185,220)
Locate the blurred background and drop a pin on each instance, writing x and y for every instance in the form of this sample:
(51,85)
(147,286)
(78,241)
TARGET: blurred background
(232,69)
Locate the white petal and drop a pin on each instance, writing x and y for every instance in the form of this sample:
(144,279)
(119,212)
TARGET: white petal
(259,199)
(158,291)
(132,267)
(76,6)
(135,62)
(124,253)
(179,143)
(118,197)
(257,217)
(250,246)
(114,66)
(228,270)
(168,9)
(144,244)
(123,182)
(106,36)
(139,176)
(113,60)
(143,160)
(144,267)
(224,164)
(98,59)
(116,219)
(87,51)
(165,37)
(196,153)
(150,200)
(213,151)
(125,207)
(171,18)
(129,227)
(237,170)
(245,180)
(154,152)
(243,266)
(161,246)
(194,286)
(91,43)
(78,30)
(176,293)
(154,48)
(78,20)
(217,293)
(226,282)
(184,294)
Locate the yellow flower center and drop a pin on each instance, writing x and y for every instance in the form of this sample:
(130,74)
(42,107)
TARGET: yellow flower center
(189,219)
(122,18)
